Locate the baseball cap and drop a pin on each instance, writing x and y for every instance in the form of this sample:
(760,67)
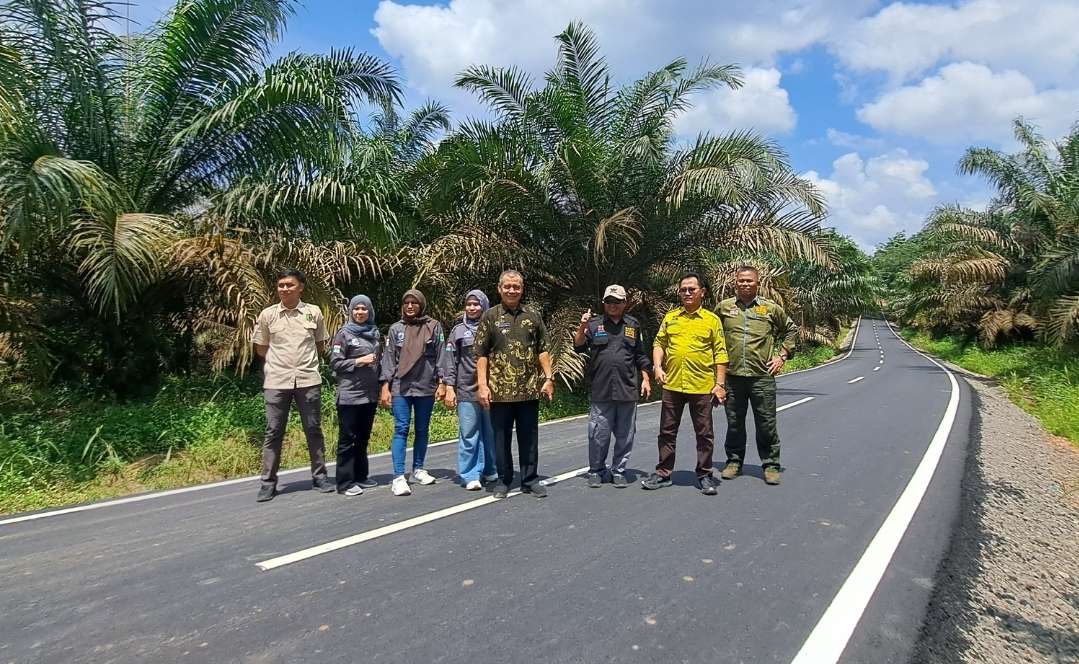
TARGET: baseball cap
(615,291)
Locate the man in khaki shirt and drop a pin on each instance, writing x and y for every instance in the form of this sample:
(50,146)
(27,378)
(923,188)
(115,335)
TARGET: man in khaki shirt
(290,337)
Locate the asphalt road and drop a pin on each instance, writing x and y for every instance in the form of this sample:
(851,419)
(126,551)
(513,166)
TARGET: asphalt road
(585,575)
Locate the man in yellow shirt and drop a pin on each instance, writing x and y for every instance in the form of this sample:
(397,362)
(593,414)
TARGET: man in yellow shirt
(690,359)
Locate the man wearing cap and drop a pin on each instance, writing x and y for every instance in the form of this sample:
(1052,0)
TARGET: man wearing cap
(618,372)
(760,337)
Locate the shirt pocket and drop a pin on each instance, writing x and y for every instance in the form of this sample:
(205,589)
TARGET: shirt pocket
(278,326)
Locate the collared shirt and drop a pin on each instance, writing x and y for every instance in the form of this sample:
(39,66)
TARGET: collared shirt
(355,385)
(754,334)
(616,358)
(693,345)
(459,363)
(293,336)
(422,379)
(512,341)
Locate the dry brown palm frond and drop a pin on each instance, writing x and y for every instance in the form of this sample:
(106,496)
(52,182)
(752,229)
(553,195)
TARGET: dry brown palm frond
(238,277)
(231,273)
(568,364)
(980,268)
(762,237)
(1003,322)
(820,335)
(1063,325)
(623,229)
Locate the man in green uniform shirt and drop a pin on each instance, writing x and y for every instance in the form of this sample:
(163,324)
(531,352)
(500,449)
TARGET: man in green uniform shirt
(760,337)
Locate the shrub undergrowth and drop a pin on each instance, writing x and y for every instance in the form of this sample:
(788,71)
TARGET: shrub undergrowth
(1042,380)
(62,446)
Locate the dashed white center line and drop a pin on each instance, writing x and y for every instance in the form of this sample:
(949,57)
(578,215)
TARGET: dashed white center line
(876,368)
(855,380)
(794,403)
(304,554)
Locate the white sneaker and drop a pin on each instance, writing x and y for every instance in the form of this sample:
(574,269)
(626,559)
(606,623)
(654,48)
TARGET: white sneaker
(474,485)
(422,476)
(490,479)
(354,490)
(400,486)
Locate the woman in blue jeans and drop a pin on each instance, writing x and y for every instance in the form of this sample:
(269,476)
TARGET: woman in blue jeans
(410,378)
(475,451)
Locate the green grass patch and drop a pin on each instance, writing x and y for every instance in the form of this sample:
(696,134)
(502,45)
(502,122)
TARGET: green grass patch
(812,356)
(1042,380)
(60,447)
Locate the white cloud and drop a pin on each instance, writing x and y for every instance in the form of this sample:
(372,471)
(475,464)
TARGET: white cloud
(842,139)
(907,39)
(968,102)
(436,42)
(872,200)
(760,104)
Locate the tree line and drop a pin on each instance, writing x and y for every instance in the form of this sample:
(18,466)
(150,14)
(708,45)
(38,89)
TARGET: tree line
(1008,272)
(151,183)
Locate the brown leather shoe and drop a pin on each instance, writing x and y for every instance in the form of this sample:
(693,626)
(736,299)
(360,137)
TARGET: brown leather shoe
(771,475)
(732,470)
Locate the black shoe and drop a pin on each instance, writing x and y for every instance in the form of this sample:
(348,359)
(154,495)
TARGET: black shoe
(323,485)
(707,485)
(368,484)
(619,480)
(537,489)
(655,481)
(594,480)
(501,491)
(266,493)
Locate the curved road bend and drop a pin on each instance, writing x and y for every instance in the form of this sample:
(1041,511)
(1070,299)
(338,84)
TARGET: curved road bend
(585,575)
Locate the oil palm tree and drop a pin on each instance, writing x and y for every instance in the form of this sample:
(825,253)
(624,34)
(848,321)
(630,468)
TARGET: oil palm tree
(584,184)
(115,148)
(1014,267)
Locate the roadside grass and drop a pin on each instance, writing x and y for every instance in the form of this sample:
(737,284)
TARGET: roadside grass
(62,446)
(807,358)
(1041,380)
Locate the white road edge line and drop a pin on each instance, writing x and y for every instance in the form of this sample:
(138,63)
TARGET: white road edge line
(853,343)
(855,380)
(304,554)
(241,480)
(829,638)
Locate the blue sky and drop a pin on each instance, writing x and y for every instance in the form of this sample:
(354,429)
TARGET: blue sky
(875,101)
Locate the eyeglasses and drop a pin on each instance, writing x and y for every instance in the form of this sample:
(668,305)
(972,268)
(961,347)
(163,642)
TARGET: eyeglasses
(688,290)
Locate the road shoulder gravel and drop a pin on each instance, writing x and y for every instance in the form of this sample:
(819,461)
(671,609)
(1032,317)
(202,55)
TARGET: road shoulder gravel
(1008,590)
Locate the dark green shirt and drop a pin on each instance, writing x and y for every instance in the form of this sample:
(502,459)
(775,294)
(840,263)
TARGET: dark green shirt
(512,341)
(755,333)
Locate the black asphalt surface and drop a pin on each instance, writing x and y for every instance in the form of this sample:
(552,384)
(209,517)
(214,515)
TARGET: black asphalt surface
(585,575)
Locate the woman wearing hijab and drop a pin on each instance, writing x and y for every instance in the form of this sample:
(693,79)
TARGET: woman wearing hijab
(354,360)
(475,451)
(410,378)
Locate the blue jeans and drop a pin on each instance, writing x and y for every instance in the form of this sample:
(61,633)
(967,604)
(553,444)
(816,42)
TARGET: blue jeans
(403,408)
(476,449)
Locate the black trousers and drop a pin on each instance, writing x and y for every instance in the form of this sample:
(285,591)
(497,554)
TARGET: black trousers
(355,423)
(525,415)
